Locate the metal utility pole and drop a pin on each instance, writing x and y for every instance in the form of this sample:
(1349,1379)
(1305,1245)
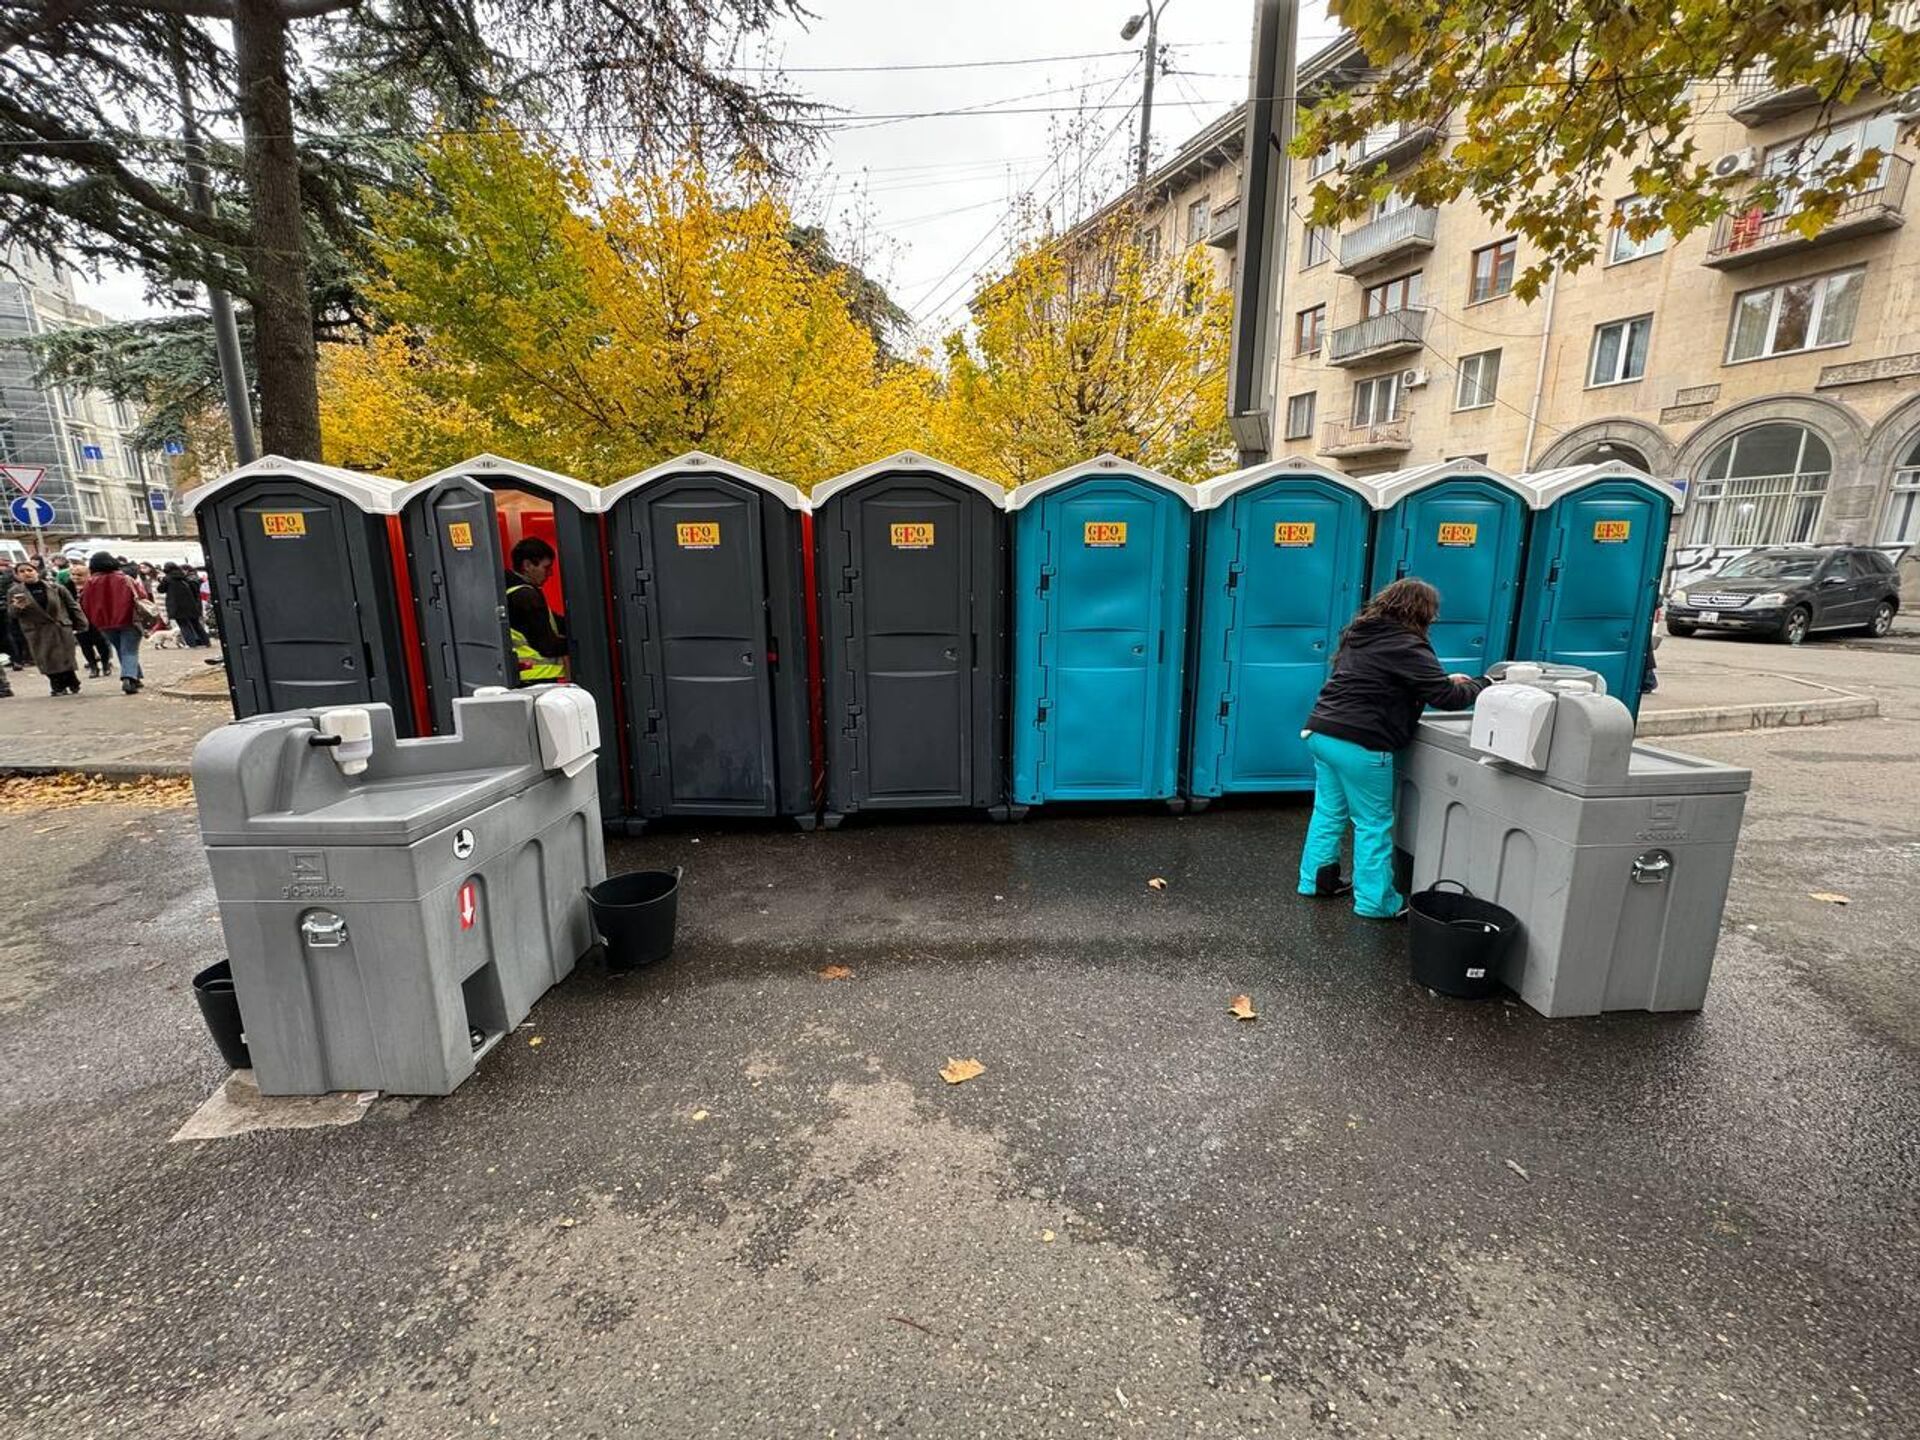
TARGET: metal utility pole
(226,333)
(1265,184)
(1132,28)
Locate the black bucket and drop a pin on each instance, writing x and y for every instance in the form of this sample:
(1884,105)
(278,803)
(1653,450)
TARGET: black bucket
(634,914)
(220,1008)
(1456,940)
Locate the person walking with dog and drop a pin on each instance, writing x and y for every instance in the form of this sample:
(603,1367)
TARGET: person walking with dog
(116,610)
(1384,674)
(48,616)
(181,594)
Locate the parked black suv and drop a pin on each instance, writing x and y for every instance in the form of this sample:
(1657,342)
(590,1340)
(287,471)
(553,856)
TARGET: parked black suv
(1788,594)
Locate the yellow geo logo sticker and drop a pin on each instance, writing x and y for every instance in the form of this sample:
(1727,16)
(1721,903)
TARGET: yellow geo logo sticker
(460,534)
(1105,534)
(1459,532)
(1612,532)
(1293,534)
(914,535)
(283,524)
(697,534)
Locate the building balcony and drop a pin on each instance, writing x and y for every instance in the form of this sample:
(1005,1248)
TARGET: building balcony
(1390,436)
(1757,98)
(1391,145)
(1224,231)
(1378,336)
(1391,237)
(1746,238)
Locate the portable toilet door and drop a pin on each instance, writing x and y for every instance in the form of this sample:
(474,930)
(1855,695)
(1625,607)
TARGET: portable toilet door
(1101,551)
(453,555)
(1283,568)
(528,502)
(709,568)
(911,559)
(1460,527)
(308,578)
(1594,562)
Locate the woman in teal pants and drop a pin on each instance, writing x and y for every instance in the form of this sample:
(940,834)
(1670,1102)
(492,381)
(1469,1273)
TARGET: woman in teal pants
(1384,674)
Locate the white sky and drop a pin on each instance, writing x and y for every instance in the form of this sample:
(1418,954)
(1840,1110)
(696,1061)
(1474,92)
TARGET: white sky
(928,199)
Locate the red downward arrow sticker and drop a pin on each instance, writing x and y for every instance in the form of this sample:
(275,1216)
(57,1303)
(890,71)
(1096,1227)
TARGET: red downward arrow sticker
(469,905)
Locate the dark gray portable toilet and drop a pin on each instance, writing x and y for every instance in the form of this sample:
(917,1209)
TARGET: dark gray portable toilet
(911,560)
(308,578)
(528,502)
(710,597)
(453,558)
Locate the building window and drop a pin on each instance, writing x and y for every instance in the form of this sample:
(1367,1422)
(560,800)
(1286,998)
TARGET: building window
(1765,486)
(1199,217)
(1902,525)
(1493,270)
(1309,327)
(1624,247)
(1803,159)
(1300,415)
(1390,295)
(1376,401)
(93,505)
(1150,246)
(1319,164)
(1479,379)
(1619,351)
(1799,315)
(1316,246)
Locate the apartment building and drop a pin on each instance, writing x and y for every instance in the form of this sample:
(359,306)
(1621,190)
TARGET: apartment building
(1776,378)
(96,481)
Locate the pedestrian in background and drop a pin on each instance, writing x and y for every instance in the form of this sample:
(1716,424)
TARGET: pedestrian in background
(48,617)
(1384,674)
(11,637)
(93,644)
(182,597)
(114,608)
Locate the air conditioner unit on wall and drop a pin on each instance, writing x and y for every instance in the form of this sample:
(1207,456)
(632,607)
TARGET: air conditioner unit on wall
(1907,107)
(1737,162)
(1412,379)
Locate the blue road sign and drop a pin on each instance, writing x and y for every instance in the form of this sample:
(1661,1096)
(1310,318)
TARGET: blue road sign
(30,510)
(176,447)
(92,452)
(157,501)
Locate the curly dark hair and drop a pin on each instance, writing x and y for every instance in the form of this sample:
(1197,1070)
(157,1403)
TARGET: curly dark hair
(1410,603)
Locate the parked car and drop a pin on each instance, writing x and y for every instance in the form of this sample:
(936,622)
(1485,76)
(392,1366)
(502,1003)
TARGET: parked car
(1788,594)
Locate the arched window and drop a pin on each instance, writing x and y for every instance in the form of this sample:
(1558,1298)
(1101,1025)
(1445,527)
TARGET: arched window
(1765,486)
(1616,452)
(1902,524)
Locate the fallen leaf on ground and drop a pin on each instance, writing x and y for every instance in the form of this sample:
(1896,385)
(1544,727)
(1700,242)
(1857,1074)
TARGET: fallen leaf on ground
(1828,897)
(836,972)
(955,1071)
(567,1222)
(1242,1008)
(1518,1169)
(699,1114)
(1046,1237)
(1156,883)
(536,1040)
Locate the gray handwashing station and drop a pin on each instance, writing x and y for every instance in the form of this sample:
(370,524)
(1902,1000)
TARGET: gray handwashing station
(393,908)
(1615,856)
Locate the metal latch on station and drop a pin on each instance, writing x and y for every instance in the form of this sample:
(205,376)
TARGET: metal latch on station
(1652,868)
(323,930)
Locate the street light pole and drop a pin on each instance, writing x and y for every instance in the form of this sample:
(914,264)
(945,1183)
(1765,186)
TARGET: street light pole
(1127,32)
(226,333)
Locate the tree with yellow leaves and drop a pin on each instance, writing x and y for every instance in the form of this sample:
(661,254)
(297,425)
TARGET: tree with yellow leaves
(1089,345)
(597,323)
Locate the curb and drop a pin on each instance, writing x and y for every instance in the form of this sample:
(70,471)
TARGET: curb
(1777,716)
(108,769)
(219,697)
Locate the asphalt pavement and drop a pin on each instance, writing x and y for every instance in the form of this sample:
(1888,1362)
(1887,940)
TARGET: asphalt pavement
(729,1197)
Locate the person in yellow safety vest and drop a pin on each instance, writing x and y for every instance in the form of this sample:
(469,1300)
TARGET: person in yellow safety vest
(539,644)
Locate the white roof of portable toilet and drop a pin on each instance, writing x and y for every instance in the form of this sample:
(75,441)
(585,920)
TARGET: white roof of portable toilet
(490,466)
(376,494)
(1210,494)
(698,461)
(1546,486)
(1396,485)
(908,460)
(1023,495)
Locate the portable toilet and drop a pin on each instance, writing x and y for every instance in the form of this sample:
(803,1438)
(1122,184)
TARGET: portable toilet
(1461,527)
(709,595)
(1100,616)
(911,556)
(1283,568)
(308,571)
(1594,561)
(462,524)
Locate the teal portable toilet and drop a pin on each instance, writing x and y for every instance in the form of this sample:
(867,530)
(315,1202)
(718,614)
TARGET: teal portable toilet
(1282,569)
(1100,619)
(1594,560)
(1462,528)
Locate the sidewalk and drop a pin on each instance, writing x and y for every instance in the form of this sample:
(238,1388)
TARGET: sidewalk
(104,732)
(1718,685)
